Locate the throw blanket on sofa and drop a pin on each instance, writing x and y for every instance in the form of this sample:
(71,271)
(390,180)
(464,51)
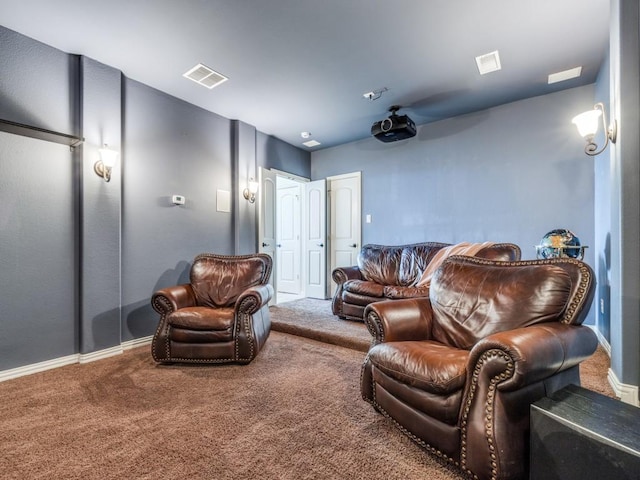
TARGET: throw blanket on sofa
(463,248)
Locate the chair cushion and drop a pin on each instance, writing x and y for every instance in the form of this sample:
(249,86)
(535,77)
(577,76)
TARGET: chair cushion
(426,365)
(471,301)
(202,318)
(219,281)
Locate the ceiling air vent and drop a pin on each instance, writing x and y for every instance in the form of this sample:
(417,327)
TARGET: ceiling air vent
(205,76)
(489,62)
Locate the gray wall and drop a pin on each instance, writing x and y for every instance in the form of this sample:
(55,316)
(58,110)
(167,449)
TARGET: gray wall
(79,257)
(507,174)
(625,192)
(38,201)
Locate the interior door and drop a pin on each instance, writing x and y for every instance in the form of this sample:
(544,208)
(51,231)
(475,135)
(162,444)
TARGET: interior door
(288,230)
(315,239)
(345,220)
(267,222)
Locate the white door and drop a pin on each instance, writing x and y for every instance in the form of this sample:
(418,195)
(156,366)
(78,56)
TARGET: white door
(267,222)
(288,235)
(315,239)
(345,223)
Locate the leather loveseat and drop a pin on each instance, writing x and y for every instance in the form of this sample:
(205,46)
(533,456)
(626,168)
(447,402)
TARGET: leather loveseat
(394,272)
(458,371)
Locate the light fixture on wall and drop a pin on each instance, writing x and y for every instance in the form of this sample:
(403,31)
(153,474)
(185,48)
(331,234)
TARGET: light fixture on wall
(249,193)
(587,124)
(106,163)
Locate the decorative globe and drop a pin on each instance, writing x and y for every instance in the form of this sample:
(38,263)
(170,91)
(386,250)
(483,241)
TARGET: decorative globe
(560,243)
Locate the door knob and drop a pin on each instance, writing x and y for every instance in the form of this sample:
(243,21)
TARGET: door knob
(278,245)
(265,244)
(353,245)
(321,244)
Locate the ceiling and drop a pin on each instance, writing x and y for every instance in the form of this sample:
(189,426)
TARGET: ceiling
(304,65)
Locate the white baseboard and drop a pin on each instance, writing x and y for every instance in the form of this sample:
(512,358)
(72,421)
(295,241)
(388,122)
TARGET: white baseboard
(71,359)
(137,342)
(626,393)
(38,367)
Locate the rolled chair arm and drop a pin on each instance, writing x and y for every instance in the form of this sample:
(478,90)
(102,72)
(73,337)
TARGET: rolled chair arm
(253,299)
(507,372)
(173,298)
(537,352)
(399,320)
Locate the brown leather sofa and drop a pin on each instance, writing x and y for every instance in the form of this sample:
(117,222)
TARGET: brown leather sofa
(221,316)
(458,371)
(391,272)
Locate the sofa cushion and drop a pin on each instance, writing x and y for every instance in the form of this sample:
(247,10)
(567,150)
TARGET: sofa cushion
(363,287)
(202,318)
(394,292)
(426,365)
(471,301)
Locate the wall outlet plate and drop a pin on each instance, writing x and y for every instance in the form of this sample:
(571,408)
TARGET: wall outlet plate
(177,200)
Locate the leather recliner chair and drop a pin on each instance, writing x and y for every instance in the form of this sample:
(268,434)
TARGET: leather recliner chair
(221,316)
(458,371)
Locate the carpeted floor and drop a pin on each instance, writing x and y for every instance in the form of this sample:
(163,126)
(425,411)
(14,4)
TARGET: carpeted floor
(294,413)
(312,318)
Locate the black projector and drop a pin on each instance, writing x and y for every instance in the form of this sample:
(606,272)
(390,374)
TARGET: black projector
(394,128)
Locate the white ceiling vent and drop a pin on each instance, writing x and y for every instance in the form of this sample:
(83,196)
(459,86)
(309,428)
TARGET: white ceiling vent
(311,143)
(565,75)
(489,62)
(205,76)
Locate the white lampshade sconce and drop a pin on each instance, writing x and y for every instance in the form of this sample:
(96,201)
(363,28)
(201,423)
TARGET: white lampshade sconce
(106,163)
(249,193)
(587,124)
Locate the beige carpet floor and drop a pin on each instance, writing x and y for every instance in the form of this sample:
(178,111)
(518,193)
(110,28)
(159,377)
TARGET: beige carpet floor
(294,413)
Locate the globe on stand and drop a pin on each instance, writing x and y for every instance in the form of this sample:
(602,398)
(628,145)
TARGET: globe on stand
(560,243)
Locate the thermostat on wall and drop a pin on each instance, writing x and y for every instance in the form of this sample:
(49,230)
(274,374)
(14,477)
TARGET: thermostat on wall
(177,200)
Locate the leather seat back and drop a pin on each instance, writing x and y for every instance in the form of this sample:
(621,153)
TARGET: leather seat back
(217,281)
(472,299)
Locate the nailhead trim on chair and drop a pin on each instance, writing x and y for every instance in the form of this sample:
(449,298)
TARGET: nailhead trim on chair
(374,334)
(508,373)
(429,448)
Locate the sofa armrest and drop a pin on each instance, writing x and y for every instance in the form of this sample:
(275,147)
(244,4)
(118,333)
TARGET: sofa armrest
(341,275)
(399,320)
(253,299)
(173,298)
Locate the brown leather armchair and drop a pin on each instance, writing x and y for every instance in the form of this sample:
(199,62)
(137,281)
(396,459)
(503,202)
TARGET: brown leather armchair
(221,316)
(457,371)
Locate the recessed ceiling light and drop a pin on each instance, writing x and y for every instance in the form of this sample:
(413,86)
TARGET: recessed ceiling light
(489,62)
(311,143)
(205,76)
(565,75)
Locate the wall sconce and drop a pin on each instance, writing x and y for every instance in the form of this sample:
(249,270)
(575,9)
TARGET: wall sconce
(106,163)
(587,124)
(249,193)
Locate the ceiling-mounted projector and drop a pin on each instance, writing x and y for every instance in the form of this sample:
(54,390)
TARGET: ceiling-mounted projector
(394,127)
